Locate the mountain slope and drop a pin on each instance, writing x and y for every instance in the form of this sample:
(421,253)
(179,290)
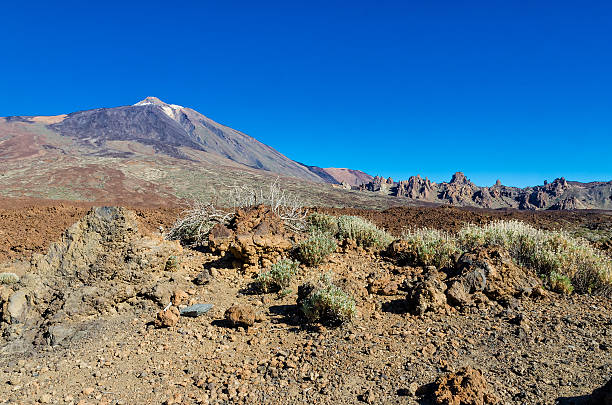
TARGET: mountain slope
(169,128)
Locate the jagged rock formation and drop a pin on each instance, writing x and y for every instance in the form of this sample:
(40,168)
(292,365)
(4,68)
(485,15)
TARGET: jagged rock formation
(557,195)
(415,187)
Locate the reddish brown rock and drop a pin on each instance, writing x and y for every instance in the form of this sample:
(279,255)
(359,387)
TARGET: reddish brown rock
(256,235)
(179,297)
(383,286)
(167,318)
(240,315)
(492,271)
(465,387)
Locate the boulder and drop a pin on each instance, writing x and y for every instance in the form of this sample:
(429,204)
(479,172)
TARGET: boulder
(492,271)
(255,236)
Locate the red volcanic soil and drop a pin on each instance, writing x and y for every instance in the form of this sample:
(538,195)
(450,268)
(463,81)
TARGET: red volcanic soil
(29,225)
(398,219)
(350,176)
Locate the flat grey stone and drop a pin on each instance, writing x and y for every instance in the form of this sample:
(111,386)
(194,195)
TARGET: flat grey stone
(196,310)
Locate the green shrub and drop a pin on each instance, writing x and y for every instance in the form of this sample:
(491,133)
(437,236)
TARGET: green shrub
(560,283)
(429,247)
(172,264)
(363,232)
(278,277)
(323,223)
(316,248)
(9,278)
(328,303)
(546,252)
(566,262)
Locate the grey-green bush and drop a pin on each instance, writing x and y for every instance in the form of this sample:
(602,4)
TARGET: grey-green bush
(328,303)
(429,247)
(9,278)
(363,232)
(546,252)
(323,223)
(315,248)
(278,277)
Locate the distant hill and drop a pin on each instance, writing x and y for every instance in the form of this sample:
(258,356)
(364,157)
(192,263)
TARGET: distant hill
(339,175)
(150,153)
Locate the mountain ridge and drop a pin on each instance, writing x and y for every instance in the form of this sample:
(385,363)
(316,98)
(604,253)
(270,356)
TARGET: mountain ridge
(89,150)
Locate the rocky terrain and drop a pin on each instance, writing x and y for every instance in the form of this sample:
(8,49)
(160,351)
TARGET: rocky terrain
(559,194)
(110,313)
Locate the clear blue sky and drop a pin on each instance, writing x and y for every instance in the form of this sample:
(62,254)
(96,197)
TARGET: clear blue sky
(516,90)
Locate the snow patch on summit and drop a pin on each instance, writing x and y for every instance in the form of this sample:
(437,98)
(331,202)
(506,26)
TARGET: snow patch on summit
(171,110)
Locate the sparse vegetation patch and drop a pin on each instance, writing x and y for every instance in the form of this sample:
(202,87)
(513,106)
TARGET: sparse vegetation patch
(327,303)
(429,247)
(566,262)
(315,248)
(9,278)
(363,232)
(278,277)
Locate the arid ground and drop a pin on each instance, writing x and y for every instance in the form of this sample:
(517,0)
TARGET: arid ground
(100,344)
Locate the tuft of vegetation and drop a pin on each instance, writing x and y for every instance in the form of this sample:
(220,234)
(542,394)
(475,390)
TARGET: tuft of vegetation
(429,247)
(315,248)
(363,232)
(172,264)
(323,223)
(9,278)
(560,283)
(278,277)
(328,303)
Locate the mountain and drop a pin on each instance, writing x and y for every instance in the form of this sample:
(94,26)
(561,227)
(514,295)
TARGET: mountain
(175,131)
(557,195)
(150,153)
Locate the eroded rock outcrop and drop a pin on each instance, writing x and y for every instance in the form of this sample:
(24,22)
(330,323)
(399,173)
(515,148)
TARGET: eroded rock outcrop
(256,236)
(102,262)
(556,195)
(416,187)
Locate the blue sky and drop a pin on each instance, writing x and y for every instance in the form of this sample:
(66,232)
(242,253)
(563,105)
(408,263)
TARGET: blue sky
(516,90)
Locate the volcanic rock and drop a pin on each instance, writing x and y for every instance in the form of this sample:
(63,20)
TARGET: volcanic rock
(428,295)
(167,318)
(492,271)
(240,315)
(255,236)
(467,386)
(95,266)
